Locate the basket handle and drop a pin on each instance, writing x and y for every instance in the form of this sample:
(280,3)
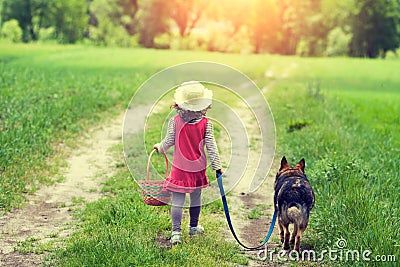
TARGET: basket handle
(148,165)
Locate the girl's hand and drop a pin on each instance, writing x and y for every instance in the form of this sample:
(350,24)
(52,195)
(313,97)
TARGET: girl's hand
(218,172)
(156,146)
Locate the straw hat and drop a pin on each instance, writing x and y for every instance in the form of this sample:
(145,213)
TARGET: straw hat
(193,96)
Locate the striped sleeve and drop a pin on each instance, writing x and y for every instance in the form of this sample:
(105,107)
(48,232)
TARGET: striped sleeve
(211,146)
(169,139)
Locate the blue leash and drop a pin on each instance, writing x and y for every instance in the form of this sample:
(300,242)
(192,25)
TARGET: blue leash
(228,218)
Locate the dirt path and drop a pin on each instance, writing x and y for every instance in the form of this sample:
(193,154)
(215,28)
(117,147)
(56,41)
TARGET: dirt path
(251,212)
(46,220)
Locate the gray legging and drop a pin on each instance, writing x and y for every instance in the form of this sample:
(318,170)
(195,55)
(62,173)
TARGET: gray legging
(178,200)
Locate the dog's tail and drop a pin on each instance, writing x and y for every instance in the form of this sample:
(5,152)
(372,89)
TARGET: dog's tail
(297,213)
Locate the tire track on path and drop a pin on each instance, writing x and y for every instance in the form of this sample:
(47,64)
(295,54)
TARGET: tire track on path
(250,227)
(27,234)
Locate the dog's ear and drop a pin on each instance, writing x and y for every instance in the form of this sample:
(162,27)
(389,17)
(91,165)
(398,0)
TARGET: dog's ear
(301,165)
(284,164)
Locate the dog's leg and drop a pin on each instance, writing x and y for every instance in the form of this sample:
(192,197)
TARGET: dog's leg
(287,236)
(298,237)
(294,234)
(281,228)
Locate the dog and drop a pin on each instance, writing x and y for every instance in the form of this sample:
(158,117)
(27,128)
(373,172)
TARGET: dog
(293,199)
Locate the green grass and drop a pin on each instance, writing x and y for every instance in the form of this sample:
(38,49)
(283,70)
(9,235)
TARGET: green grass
(44,105)
(33,245)
(121,230)
(351,150)
(341,115)
(257,212)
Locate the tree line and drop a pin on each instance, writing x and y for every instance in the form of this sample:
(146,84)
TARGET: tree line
(358,28)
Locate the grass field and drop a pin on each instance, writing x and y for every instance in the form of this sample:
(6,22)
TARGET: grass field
(348,108)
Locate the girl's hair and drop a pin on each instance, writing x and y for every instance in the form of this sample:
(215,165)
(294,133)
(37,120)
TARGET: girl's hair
(175,106)
(188,115)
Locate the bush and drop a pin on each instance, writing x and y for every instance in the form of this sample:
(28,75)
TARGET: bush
(222,38)
(338,42)
(46,34)
(11,31)
(111,35)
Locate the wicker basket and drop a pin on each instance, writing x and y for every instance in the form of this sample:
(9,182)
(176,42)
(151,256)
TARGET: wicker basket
(152,190)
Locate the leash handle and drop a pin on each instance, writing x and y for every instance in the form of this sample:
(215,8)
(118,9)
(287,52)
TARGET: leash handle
(228,219)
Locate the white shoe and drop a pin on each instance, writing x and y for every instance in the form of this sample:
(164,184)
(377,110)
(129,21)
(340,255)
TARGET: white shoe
(196,230)
(176,238)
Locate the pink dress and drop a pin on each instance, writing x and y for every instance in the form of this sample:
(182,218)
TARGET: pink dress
(189,164)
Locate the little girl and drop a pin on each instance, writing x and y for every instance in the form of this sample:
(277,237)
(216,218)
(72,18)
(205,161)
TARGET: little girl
(189,132)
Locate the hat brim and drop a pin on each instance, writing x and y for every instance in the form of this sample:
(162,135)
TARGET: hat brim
(196,104)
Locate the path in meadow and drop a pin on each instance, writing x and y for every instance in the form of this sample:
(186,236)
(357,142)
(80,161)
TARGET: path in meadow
(252,231)
(46,220)
(259,204)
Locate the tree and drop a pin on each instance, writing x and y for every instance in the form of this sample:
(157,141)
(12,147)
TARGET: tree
(231,11)
(153,20)
(69,18)
(336,13)
(227,26)
(336,20)
(302,27)
(375,28)
(263,25)
(1,12)
(112,22)
(24,12)
(129,8)
(186,13)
